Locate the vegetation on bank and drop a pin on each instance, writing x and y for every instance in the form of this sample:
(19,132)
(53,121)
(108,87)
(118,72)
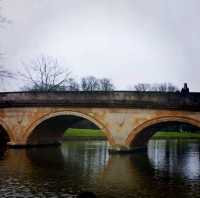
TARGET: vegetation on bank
(176,135)
(95,134)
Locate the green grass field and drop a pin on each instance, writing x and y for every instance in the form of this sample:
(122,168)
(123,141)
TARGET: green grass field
(98,134)
(84,134)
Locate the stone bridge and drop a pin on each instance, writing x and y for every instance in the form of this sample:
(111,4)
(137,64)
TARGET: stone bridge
(128,119)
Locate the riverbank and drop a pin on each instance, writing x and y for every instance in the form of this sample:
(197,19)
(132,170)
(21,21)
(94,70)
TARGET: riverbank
(93,134)
(84,134)
(176,135)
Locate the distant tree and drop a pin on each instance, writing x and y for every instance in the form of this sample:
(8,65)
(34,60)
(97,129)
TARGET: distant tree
(172,88)
(165,87)
(90,83)
(160,87)
(105,84)
(142,87)
(154,87)
(72,85)
(44,74)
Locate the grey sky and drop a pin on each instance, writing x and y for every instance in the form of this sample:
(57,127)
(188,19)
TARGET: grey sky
(129,41)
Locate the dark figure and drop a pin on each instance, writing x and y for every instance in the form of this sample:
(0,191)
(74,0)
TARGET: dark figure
(86,195)
(185,90)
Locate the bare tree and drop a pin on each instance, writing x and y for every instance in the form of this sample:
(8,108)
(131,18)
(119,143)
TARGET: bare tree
(106,84)
(44,74)
(72,85)
(5,73)
(172,88)
(160,87)
(164,87)
(90,83)
(142,87)
(154,87)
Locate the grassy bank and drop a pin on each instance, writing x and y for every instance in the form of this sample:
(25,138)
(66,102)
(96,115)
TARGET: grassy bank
(93,134)
(85,134)
(176,135)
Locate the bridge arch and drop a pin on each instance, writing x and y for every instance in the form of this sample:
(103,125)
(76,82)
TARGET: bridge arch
(5,133)
(142,133)
(30,130)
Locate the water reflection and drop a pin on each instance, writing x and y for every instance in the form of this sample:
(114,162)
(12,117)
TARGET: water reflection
(176,157)
(169,169)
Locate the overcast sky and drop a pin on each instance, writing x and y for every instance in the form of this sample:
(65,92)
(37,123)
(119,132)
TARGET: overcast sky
(129,41)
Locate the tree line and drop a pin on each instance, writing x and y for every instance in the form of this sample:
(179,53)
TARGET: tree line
(158,87)
(46,74)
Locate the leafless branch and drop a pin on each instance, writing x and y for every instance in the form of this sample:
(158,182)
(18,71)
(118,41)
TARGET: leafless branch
(45,74)
(5,73)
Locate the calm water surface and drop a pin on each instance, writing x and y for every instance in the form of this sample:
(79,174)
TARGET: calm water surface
(170,168)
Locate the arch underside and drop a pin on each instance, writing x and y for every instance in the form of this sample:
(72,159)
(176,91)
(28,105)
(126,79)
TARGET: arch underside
(142,134)
(4,137)
(51,130)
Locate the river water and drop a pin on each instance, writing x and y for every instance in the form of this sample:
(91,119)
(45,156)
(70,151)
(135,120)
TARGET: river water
(170,168)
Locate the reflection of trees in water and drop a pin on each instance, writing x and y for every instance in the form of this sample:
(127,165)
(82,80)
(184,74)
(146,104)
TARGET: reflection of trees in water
(177,165)
(90,156)
(175,157)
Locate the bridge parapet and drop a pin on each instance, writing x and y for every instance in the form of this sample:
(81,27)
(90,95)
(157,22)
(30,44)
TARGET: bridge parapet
(124,99)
